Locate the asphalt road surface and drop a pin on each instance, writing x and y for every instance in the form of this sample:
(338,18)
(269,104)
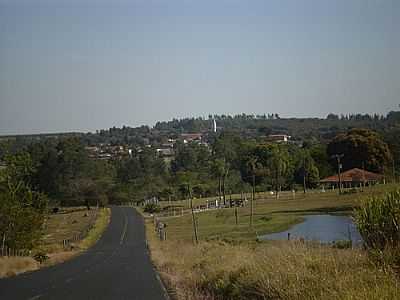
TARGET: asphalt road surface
(117,267)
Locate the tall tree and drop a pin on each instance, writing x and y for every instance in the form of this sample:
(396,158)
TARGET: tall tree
(22,209)
(361,147)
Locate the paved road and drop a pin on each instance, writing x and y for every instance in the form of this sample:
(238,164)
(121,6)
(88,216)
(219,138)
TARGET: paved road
(117,267)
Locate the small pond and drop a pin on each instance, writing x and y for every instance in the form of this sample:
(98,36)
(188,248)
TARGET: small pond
(323,228)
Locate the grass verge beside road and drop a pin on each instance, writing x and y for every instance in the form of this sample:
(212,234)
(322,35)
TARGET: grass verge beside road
(94,235)
(60,227)
(287,270)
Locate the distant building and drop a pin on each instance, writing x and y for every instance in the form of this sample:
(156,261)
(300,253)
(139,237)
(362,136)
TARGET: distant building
(167,145)
(214,129)
(191,137)
(164,152)
(278,138)
(353,178)
(106,152)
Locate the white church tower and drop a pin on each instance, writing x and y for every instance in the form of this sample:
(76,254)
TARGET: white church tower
(214,126)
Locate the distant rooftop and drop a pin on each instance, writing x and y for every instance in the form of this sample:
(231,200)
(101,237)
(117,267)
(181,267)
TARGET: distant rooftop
(354,175)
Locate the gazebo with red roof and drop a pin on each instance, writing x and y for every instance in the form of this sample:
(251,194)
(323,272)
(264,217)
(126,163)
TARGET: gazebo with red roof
(353,178)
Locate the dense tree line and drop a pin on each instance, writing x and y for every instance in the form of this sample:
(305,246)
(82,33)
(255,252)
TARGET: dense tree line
(41,172)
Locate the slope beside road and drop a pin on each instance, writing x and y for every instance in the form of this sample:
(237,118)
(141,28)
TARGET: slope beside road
(117,267)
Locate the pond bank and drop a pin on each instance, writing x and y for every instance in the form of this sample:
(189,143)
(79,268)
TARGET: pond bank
(322,228)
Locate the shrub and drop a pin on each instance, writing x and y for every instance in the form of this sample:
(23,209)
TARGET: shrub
(152,208)
(40,257)
(342,244)
(378,220)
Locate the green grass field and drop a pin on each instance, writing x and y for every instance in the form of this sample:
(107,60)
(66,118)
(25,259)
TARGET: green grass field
(270,214)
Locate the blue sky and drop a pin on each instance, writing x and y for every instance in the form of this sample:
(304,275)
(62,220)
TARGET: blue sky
(86,65)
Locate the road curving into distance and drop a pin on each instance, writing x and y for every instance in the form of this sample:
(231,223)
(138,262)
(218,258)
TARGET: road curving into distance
(117,267)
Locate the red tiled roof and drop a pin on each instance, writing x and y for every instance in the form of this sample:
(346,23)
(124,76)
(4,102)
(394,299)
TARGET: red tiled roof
(354,175)
(191,136)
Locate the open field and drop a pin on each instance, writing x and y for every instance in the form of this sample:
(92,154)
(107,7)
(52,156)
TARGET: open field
(65,225)
(60,226)
(287,270)
(270,215)
(228,263)
(261,197)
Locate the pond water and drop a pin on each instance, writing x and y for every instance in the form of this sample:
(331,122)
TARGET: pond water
(323,228)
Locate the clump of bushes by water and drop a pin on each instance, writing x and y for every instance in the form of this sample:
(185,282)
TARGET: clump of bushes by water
(378,221)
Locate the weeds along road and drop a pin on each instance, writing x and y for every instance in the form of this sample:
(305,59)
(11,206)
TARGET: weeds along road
(117,267)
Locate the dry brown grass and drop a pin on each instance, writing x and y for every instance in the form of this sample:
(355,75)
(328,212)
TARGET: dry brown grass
(217,270)
(10,266)
(65,225)
(59,257)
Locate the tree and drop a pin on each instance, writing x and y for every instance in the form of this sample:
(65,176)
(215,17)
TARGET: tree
(319,155)
(22,209)
(307,172)
(361,148)
(220,169)
(167,193)
(252,165)
(276,163)
(393,141)
(187,181)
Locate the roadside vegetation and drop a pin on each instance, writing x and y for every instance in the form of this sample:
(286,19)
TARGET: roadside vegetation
(231,265)
(50,250)
(291,270)
(41,187)
(98,229)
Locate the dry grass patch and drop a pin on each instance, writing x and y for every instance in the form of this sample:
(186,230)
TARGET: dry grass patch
(11,266)
(217,270)
(65,225)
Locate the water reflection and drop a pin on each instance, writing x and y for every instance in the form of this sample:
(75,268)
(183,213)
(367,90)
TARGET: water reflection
(323,228)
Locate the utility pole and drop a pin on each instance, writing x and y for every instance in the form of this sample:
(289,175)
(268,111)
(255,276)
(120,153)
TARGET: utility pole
(338,157)
(236,214)
(363,168)
(193,216)
(219,190)
(304,175)
(223,189)
(394,170)
(252,199)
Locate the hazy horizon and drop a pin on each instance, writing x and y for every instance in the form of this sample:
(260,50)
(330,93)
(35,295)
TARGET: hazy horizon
(85,65)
